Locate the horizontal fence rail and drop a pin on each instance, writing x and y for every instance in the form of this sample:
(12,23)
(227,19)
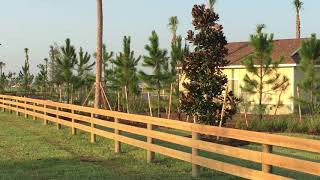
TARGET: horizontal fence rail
(95,120)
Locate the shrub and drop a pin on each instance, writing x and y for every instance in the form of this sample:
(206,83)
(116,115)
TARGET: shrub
(313,125)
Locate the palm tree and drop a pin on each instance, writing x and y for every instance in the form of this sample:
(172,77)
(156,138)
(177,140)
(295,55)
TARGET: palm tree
(173,26)
(97,98)
(298,6)
(211,4)
(2,65)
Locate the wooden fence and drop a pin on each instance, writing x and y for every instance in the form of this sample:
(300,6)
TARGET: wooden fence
(90,120)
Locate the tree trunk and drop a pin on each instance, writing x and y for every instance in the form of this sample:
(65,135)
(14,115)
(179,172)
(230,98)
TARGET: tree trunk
(298,26)
(97,99)
(260,90)
(159,115)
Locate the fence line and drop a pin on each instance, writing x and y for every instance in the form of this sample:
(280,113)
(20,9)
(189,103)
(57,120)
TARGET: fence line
(89,120)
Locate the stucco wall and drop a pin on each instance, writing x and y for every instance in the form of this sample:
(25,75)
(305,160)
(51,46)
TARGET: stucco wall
(237,74)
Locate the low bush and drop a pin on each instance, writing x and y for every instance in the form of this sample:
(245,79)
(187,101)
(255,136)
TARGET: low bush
(283,124)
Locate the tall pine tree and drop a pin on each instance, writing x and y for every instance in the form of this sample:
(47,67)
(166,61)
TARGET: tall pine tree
(157,60)
(202,68)
(66,65)
(125,71)
(310,57)
(262,77)
(25,76)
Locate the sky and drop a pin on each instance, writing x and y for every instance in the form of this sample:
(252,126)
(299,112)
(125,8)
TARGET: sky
(36,24)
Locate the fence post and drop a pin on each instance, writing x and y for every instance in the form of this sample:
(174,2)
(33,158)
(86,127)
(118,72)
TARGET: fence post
(10,107)
(58,125)
(266,167)
(25,109)
(73,129)
(195,152)
(45,121)
(93,136)
(34,117)
(17,112)
(117,145)
(150,154)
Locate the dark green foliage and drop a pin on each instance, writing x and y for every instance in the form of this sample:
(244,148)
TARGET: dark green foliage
(157,60)
(66,64)
(125,70)
(262,69)
(310,57)
(202,68)
(25,77)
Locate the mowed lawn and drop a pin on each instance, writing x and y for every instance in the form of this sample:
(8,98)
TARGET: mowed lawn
(31,150)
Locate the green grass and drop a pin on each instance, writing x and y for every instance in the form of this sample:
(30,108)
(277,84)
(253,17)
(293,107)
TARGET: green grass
(30,150)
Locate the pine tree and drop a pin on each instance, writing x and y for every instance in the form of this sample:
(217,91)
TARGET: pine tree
(126,68)
(41,80)
(84,78)
(157,60)
(262,69)
(202,68)
(54,53)
(24,76)
(66,65)
(108,72)
(3,82)
(310,57)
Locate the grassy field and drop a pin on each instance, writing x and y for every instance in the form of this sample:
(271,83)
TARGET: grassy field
(30,150)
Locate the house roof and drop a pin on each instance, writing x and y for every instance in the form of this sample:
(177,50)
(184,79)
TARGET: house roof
(286,48)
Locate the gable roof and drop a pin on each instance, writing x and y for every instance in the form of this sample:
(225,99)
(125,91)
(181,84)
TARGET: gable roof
(287,48)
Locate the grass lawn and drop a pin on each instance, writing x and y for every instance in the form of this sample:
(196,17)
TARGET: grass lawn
(30,150)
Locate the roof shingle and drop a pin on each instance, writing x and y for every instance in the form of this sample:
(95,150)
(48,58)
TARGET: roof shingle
(281,48)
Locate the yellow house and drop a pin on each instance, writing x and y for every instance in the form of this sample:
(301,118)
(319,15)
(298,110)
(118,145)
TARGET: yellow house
(235,71)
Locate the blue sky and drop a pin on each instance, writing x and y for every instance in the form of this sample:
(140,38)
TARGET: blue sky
(37,24)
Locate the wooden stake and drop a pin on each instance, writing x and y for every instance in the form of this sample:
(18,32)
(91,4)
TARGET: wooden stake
(170,101)
(105,96)
(85,101)
(298,94)
(126,94)
(118,100)
(224,105)
(149,102)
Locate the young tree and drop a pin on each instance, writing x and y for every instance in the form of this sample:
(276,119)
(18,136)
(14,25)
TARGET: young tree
(158,61)
(126,68)
(41,80)
(54,53)
(84,78)
(298,6)
(66,65)
(206,81)
(24,76)
(310,57)
(262,69)
(3,82)
(2,65)
(107,60)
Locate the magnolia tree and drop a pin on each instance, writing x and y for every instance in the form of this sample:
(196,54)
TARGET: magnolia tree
(202,67)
